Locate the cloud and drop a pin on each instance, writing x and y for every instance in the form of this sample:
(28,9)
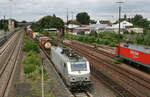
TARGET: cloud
(98,9)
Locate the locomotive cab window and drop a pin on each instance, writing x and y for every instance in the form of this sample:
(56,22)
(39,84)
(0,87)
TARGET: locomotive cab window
(78,66)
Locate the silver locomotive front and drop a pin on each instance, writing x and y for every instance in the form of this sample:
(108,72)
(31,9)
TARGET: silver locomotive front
(79,74)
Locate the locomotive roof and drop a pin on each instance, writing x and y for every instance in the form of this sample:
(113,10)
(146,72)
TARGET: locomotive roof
(137,47)
(59,50)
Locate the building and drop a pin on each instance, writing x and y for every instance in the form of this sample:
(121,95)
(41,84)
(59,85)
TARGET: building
(105,26)
(11,24)
(72,26)
(92,27)
(105,22)
(55,30)
(137,30)
(80,29)
(123,25)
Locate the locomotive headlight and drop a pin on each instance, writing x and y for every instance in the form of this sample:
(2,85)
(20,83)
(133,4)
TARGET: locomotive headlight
(72,79)
(86,78)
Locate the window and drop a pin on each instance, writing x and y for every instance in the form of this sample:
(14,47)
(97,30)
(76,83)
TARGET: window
(78,66)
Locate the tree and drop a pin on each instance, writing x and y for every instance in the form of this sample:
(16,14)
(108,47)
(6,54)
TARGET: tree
(4,24)
(93,22)
(48,22)
(72,22)
(24,21)
(83,18)
(147,39)
(139,21)
(125,16)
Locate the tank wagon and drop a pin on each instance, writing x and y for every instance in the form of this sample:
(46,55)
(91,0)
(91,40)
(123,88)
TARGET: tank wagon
(74,69)
(44,41)
(135,53)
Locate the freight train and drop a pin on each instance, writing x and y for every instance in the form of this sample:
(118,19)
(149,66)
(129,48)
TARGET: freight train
(135,53)
(43,41)
(74,69)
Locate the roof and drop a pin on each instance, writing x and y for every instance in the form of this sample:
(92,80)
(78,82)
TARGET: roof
(72,26)
(144,49)
(104,22)
(51,29)
(123,24)
(81,28)
(126,23)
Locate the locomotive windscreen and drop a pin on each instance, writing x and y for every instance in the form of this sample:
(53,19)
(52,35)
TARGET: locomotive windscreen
(78,66)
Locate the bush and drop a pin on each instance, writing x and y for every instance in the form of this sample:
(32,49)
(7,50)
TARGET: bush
(32,58)
(45,32)
(30,45)
(104,38)
(29,69)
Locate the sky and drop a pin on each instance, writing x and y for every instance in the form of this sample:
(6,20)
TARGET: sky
(33,10)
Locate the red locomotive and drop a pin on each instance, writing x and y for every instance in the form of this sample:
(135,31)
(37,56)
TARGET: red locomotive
(135,53)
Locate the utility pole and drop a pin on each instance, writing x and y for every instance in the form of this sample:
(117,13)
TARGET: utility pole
(4,26)
(72,21)
(119,27)
(42,78)
(67,22)
(67,16)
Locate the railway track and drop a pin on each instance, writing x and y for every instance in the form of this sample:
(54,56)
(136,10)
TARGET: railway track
(82,94)
(7,51)
(6,37)
(118,68)
(8,43)
(98,51)
(99,60)
(7,73)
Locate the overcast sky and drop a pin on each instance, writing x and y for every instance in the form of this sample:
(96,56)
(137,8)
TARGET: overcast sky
(33,10)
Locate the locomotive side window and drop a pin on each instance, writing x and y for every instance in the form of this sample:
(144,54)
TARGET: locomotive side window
(78,66)
(126,45)
(64,65)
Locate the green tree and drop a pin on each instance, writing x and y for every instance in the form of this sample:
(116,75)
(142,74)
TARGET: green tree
(24,21)
(139,21)
(4,24)
(93,22)
(48,22)
(83,18)
(72,22)
(147,39)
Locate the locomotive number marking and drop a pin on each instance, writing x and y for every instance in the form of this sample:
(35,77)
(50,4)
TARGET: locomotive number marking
(134,54)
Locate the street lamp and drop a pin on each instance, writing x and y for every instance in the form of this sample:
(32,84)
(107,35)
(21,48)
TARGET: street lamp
(119,27)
